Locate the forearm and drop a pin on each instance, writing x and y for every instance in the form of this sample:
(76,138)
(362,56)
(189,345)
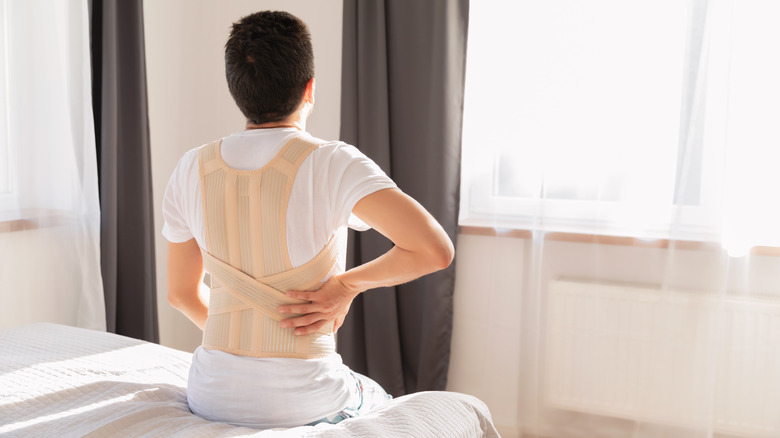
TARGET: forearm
(192,307)
(185,271)
(332,301)
(395,267)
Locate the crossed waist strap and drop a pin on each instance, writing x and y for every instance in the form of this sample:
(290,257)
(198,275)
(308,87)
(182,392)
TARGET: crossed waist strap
(243,318)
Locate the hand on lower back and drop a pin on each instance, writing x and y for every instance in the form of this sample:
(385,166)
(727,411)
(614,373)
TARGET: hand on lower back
(328,305)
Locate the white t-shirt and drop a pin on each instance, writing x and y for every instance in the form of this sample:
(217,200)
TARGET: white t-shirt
(276,392)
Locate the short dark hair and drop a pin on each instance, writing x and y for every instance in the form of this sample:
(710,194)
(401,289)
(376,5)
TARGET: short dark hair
(268,62)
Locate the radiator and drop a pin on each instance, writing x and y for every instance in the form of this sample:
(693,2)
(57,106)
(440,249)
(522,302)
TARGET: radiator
(681,358)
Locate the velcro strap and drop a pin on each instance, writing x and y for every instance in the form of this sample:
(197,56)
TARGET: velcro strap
(249,290)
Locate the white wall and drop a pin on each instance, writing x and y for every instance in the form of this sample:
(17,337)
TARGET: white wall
(189,103)
(499,315)
(485,355)
(42,280)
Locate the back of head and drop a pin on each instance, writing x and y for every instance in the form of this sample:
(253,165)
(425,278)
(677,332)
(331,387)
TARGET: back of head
(268,62)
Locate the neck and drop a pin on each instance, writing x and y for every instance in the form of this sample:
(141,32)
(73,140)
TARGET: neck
(281,124)
(296,120)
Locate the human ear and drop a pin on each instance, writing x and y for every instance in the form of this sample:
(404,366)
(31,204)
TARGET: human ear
(308,95)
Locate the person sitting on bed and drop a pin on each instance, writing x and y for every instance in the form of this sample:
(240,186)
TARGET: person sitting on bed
(265,210)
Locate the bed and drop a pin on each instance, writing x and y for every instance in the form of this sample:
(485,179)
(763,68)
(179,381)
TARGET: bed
(64,381)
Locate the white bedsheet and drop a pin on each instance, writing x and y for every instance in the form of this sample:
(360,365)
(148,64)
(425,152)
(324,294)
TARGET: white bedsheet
(69,382)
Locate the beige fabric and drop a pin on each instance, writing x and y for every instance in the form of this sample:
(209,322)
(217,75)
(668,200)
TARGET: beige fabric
(248,262)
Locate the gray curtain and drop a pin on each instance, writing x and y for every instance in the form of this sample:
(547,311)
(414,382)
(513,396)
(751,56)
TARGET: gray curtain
(402,100)
(124,171)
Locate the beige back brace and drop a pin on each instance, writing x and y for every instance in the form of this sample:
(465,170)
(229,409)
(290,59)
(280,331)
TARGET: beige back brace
(248,261)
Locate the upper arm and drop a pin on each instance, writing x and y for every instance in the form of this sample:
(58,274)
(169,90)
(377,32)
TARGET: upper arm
(350,176)
(178,202)
(408,224)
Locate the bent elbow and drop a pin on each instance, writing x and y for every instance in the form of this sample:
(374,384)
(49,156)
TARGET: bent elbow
(449,256)
(443,255)
(174,300)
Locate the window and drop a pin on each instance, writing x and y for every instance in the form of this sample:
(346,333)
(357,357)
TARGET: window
(47,147)
(5,153)
(612,117)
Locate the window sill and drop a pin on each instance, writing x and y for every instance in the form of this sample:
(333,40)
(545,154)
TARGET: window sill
(28,220)
(601,239)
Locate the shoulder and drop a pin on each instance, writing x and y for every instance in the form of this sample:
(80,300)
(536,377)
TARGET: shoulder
(336,150)
(186,175)
(344,166)
(189,160)
(190,157)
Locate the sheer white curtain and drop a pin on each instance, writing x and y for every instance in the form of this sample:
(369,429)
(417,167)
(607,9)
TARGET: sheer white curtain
(636,144)
(49,212)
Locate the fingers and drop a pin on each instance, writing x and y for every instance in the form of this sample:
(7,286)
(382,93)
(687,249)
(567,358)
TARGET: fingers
(316,303)
(323,307)
(298,309)
(302,308)
(305,324)
(301,321)
(301,294)
(311,328)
